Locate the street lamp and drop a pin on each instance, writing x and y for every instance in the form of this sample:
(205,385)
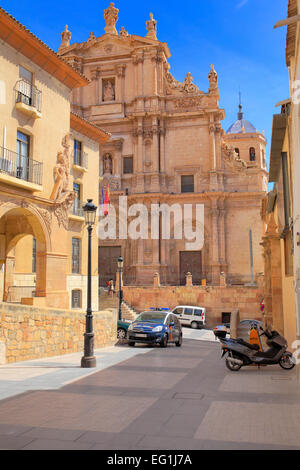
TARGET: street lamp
(120,269)
(89,360)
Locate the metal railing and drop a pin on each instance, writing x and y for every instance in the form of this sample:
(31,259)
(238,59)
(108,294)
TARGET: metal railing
(20,166)
(80,159)
(28,94)
(77,208)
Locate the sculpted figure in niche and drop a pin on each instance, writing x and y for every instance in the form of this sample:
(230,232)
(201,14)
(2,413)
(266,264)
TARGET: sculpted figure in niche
(108,91)
(107,164)
(61,171)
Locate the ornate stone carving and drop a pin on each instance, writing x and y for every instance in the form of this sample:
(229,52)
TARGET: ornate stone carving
(187,103)
(92,37)
(111,18)
(65,38)
(62,171)
(47,217)
(231,157)
(61,210)
(123,33)
(95,74)
(138,58)
(187,86)
(213,78)
(148,133)
(108,48)
(108,91)
(113,182)
(151,27)
(138,132)
(121,70)
(107,164)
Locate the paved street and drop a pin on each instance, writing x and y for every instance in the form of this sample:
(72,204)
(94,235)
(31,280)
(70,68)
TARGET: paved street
(148,398)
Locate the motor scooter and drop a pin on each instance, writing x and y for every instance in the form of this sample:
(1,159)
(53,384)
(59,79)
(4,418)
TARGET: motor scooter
(240,353)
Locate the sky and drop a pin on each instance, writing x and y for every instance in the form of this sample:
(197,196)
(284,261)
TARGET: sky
(237,36)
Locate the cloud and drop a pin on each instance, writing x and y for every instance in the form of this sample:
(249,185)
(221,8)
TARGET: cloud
(242,4)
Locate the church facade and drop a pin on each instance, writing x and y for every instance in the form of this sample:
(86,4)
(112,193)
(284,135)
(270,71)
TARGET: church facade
(168,149)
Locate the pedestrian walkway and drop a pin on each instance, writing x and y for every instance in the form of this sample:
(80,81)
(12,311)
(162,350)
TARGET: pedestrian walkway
(54,372)
(149,398)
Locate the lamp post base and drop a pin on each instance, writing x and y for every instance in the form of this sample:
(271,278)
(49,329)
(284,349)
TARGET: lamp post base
(88,362)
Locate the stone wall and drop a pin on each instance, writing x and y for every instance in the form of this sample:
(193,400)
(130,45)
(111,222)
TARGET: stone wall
(216,300)
(31,333)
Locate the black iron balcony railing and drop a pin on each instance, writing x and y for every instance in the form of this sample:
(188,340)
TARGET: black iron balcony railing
(20,166)
(28,94)
(80,159)
(77,208)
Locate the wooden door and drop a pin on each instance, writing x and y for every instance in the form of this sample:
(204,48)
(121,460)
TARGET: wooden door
(191,262)
(108,263)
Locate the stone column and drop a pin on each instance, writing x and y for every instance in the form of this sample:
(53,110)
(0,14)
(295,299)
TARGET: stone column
(120,69)
(140,157)
(160,58)
(155,144)
(213,172)
(154,63)
(273,314)
(222,237)
(162,136)
(215,265)
(8,275)
(138,60)
(51,269)
(118,158)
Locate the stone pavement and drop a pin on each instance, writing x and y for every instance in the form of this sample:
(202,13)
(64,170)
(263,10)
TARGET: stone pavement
(151,398)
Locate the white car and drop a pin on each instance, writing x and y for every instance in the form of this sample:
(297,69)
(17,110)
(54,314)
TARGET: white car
(190,315)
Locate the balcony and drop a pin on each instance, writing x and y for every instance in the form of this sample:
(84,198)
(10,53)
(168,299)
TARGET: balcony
(80,161)
(19,170)
(77,213)
(28,99)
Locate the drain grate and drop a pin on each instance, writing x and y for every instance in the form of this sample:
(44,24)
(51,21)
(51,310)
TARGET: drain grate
(188,396)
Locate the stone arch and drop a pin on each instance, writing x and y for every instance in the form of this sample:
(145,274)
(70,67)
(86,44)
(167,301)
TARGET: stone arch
(16,222)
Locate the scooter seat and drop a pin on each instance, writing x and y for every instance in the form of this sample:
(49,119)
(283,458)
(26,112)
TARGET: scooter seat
(255,347)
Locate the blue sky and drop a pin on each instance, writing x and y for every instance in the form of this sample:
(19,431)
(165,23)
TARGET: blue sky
(237,36)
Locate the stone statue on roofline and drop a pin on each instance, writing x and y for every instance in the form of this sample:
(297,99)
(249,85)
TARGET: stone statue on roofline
(111,18)
(65,38)
(151,27)
(213,78)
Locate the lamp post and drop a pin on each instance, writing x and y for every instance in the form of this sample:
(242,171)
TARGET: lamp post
(89,360)
(120,269)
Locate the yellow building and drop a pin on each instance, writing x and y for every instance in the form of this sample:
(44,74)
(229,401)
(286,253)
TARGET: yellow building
(48,161)
(282,208)
(278,240)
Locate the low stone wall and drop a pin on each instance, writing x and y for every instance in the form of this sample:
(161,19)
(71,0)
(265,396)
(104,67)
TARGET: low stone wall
(32,333)
(216,299)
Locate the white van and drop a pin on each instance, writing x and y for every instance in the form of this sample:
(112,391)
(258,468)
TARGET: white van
(189,315)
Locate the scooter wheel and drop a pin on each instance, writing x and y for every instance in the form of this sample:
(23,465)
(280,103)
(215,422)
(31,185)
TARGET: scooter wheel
(231,366)
(287,361)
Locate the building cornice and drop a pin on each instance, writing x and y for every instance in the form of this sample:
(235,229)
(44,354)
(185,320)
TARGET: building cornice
(88,129)
(25,42)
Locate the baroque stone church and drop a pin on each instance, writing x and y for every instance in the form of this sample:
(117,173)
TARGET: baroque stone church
(168,146)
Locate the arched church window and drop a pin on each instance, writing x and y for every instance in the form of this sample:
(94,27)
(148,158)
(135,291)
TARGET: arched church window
(252,154)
